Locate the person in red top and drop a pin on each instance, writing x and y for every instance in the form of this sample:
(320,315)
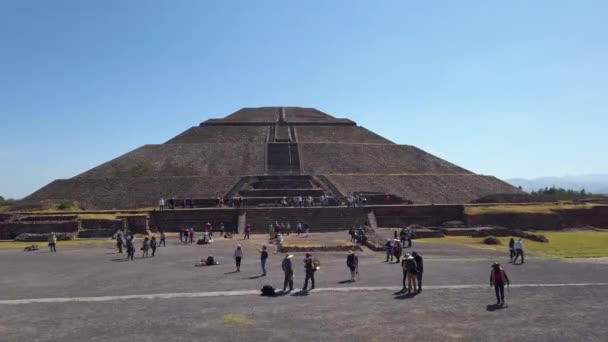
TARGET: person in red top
(498,278)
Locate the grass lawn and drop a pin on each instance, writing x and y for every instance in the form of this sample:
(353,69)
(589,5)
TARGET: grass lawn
(565,244)
(43,245)
(544,208)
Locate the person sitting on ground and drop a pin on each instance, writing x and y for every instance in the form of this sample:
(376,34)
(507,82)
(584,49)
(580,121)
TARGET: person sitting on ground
(209,261)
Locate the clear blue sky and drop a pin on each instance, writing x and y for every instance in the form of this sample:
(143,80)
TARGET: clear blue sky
(508,88)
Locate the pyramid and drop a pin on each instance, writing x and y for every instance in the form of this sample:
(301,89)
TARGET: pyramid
(269,152)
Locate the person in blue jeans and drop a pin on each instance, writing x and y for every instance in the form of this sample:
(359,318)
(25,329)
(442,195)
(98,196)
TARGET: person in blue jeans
(498,279)
(263,259)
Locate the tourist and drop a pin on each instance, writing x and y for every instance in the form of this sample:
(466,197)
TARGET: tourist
(397,250)
(119,240)
(409,236)
(238,256)
(419,269)
(402,237)
(511,250)
(153,245)
(498,277)
(288,270)
(395,234)
(351,232)
(263,259)
(411,270)
(162,239)
(161,204)
(247,231)
(145,247)
(352,262)
(519,251)
(389,249)
(53,242)
(130,247)
(310,270)
(299,228)
(209,228)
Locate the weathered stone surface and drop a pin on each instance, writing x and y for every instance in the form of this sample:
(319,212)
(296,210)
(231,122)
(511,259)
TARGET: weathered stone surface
(44,237)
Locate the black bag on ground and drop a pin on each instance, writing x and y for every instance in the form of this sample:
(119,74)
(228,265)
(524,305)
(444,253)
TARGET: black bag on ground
(268,291)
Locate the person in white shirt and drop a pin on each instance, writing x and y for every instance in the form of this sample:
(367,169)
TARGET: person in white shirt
(161,203)
(519,251)
(238,256)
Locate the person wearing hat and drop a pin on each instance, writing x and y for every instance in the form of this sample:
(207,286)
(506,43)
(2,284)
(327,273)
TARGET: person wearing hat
(238,256)
(352,261)
(288,270)
(498,278)
(310,269)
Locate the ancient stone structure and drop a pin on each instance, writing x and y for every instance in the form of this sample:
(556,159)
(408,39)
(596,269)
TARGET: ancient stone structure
(266,153)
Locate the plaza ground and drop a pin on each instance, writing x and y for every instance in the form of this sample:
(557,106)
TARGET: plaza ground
(89,292)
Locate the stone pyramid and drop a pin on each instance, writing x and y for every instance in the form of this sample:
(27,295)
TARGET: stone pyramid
(268,152)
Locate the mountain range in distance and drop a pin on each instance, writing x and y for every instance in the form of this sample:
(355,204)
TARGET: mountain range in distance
(597,184)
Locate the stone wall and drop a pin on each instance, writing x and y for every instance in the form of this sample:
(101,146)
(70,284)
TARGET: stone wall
(176,220)
(136,224)
(400,216)
(10,230)
(532,221)
(94,224)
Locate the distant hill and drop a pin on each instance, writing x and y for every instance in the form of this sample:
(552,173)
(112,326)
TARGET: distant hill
(597,184)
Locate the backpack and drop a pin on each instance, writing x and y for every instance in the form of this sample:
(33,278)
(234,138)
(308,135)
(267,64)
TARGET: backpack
(268,291)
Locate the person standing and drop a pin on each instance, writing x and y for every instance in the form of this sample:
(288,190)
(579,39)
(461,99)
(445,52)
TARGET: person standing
(310,269)
(410,235)
(287,267)
(247,231)
(238,257)
(389,249)
(161,204)
(352,262)
(130,247)
(191,235)
(402,237)
(163,239)
(419,269)
(119,240)
(153,245)
(498,278)
(145,247)
(263,259)
(53,242)
(222,229)
(299,228)
(511,250)
(519,251)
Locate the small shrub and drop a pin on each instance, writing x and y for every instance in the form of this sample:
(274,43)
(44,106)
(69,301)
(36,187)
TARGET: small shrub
(491,240)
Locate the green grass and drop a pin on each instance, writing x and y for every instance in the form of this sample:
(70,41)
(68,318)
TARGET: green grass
(565,244)
(544,208)
(43,244)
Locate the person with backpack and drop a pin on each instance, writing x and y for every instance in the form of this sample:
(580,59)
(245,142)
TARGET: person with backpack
(409,272)
(511,250)
(419,269)
(352,262)
(153,245)
(263,259)
(287,267)
(310,269)
(498,278)
(238,257)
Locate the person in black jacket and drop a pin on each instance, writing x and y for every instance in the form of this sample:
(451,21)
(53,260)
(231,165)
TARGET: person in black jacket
(419,269)
(352,262)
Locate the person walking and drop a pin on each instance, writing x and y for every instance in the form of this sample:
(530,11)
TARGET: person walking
(352,262)
(153,245)
(498,278)
(145,247)
(263,259)
(419,269)
(511,250)
(410,235)
(519,251)
(287,267)
(191,235)
(238,257)
(247,231)
(130,247)
(310,269)
(402,237)
(53,242)
(163,239)
(119,240)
